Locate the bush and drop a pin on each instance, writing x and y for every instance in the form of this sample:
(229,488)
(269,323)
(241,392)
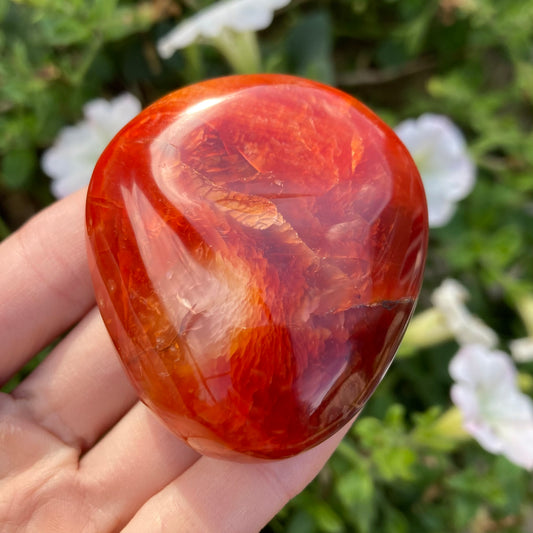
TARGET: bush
(406,465)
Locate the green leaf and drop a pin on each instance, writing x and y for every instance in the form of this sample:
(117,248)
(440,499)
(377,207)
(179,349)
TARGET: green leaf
(356,492)
(395,463)
(309,47)
(18,167)
(4,230)
(504,247)
(327,520)
(301,522)
(467,482)
(395,521)
(524,73)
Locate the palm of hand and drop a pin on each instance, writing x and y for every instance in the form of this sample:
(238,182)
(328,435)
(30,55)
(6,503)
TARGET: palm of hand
(77,451)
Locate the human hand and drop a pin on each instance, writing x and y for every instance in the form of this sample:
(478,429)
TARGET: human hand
(78,452)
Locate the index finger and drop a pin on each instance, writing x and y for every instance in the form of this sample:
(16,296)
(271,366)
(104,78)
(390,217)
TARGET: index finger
(45,284)
(224,497)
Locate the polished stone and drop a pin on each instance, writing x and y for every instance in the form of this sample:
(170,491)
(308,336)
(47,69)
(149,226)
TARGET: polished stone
(257,246)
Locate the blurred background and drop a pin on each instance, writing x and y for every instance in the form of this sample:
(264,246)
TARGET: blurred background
(455,79)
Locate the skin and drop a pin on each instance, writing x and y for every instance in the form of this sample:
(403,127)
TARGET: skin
(78,452)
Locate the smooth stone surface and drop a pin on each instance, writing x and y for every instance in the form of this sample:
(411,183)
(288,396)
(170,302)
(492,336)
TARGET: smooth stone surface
(257,246)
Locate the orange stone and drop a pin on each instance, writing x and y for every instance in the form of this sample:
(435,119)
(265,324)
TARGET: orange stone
(257,246)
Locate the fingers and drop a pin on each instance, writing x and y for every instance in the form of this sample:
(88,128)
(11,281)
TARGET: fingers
(45,285)
(215,496)
(80,390)
(132,463)
(22,445)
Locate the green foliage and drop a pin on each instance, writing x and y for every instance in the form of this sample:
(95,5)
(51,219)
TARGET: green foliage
(398,475)
(55,57)
(309,47)
(405,466)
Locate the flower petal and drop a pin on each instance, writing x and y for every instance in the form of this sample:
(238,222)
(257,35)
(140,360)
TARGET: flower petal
(516,441)
(440,152)
(522,349)
(476,366)
(71,159)
(238,15)
(449,298)
(495,412)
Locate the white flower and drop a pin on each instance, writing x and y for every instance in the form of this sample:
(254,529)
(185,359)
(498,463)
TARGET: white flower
(522,349)
(448,319)
(71,159)
(237,15)
(449,299)
(440,153)
(494,411)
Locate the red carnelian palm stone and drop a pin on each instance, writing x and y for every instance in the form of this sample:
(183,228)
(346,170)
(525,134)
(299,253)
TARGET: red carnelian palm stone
(257,246)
